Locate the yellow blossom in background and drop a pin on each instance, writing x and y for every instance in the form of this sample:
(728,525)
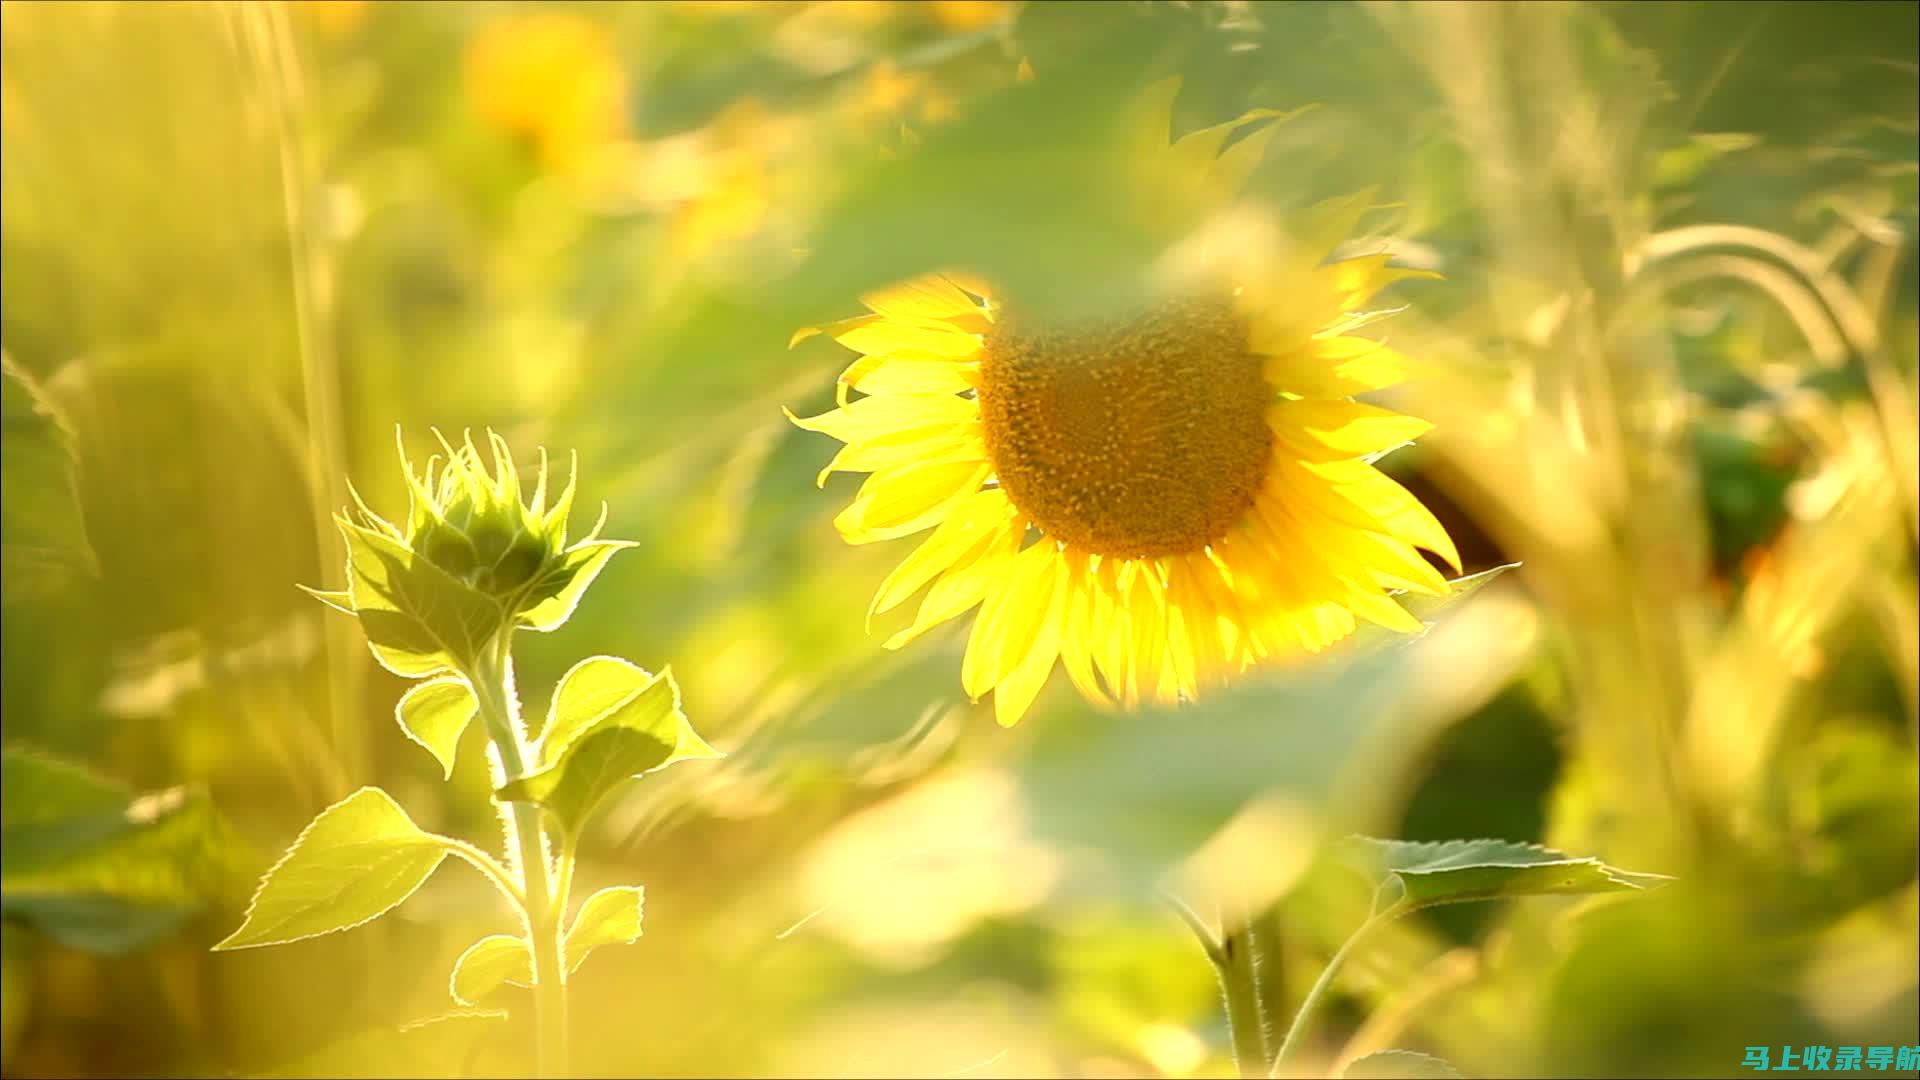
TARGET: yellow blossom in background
(715,184)
(908,96)
(334,18)
(551,78)
(1156,501)
(968,14)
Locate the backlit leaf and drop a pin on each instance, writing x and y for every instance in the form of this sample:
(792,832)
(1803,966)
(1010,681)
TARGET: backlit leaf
(1400,1065)
(355,862)
(645,731)
(489,964)
(609,917)
(435,714)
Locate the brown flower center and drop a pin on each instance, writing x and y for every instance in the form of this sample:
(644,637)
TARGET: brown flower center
(1129,439)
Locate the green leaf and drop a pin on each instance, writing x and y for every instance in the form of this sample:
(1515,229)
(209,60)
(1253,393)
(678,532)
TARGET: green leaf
(589,691)
(96,868)
(1458,871)
(435,714)
(352,864)
(43,538)
(582,564)
(419,619)
(1401,1065)
(340,600)
(489,964)
(586,760)
(609,917)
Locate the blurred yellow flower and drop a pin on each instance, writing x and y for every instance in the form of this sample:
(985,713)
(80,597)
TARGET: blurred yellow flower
(334,18)
(968,14)
(550,77)
(1156,501)
(907,96)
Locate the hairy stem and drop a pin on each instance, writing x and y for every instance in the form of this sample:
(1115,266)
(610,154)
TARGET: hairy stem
(1263,932)
(493,689)
(1238,968)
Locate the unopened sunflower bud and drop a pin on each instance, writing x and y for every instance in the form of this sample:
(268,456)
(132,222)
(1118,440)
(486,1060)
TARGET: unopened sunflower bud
(470,562)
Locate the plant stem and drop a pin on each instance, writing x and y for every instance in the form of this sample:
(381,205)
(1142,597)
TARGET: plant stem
(493,689)
(1263,932)
(1237,967)
(1300,1019)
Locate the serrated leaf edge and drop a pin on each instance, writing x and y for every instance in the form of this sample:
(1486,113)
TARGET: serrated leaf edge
(453,977)
(399,717)
(285,856)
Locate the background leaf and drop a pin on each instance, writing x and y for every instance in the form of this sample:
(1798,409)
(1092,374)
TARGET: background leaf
(355,862)
(1400,1065)
(43,539)
(96,868)
(1457,871)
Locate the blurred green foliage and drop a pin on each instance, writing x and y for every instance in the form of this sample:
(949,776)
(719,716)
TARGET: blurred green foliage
(243,242)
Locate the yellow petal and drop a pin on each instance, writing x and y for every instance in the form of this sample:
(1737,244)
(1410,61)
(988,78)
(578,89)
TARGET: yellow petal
(906,373)
(1362,554)
(972,283)
(1336,368)
(1147,122)
(1192,157)
(1326,225)
(970,528)
(1228,176)
(1113,633)
(832,329)
(1078,642)
(1286,307)
(1010,619)
(1032,661)
(887,336)
(1199,649)
(868,418)
(1356,492)
(1395,564)
(1376,607)
(1150,670)
(1336,430)
(928,298)
(940,443)
(1330,577)
(900,501)
(963,586)
(1356,280)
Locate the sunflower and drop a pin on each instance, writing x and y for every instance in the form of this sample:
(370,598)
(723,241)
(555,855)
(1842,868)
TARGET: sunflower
(1157,500)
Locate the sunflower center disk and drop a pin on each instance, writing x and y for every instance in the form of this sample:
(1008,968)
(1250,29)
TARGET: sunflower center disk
(1130,439)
